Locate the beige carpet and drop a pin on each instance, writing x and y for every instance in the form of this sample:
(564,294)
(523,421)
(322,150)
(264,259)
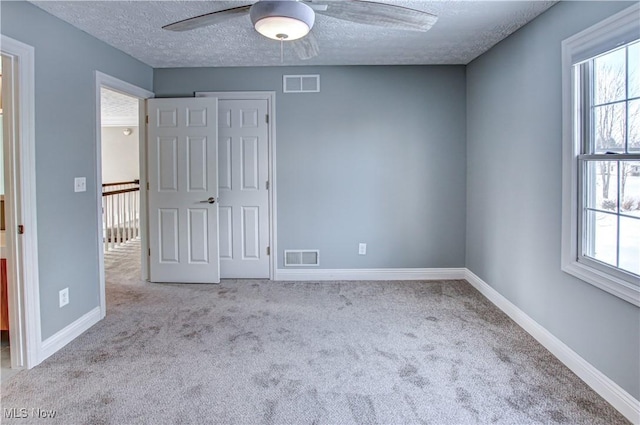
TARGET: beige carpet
(260,352)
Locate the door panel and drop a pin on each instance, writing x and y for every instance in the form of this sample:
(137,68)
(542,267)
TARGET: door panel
(198,246)
(197,164)
(243,170)
(168,235)
(250,233)
(226,233)
(249,118)
(249,163)
(167,164)
(183,176)
(224,163)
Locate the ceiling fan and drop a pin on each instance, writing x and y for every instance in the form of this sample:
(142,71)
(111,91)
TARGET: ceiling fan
(292,20)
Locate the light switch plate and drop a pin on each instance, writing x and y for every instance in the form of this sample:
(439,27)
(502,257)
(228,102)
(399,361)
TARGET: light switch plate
(80,184)
(362,249)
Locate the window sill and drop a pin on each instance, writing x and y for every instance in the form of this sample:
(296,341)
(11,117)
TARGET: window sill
(604,281)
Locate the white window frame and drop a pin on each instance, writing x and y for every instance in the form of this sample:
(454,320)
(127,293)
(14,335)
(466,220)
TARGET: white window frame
(619,29)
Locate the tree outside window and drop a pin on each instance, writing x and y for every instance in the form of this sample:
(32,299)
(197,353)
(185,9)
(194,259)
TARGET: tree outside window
(611,208)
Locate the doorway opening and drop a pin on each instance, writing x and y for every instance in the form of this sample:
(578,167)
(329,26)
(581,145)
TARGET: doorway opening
(120,148)
(121,172)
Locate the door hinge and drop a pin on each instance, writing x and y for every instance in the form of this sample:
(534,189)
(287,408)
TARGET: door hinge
(147,120)
(268,250)
(149,252)
(20,229)
(266,118)
(267,184)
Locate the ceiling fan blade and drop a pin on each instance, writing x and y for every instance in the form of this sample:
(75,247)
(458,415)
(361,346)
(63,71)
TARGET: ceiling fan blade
(208,19)
(378,14)
(306,47)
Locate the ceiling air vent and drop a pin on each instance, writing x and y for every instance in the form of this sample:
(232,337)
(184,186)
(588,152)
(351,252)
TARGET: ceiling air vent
(301,83)
(307,258)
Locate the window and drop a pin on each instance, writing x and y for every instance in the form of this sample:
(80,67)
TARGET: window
(609,114)
(601,159)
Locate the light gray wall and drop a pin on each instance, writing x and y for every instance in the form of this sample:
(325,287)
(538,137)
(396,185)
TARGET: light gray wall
(65,60)
(514,185)
(378,156)
(120,154)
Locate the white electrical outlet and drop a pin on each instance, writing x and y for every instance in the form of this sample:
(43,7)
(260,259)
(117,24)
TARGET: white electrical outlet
(64,297)
(362,249)
(80,184)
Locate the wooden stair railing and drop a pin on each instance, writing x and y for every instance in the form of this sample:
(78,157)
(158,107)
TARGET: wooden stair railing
(120,213)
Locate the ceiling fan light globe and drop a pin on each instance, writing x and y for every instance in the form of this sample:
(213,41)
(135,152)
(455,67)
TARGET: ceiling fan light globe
(282,19)
(281,28)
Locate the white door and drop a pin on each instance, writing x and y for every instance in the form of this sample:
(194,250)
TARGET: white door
(183,190)
(243,173)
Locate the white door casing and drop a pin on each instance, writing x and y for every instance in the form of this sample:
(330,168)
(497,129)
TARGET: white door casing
(243,175)
(20,194)
(183,190)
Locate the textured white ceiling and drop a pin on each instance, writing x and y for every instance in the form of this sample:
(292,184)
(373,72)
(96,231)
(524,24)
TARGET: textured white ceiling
(465,30)
(117,109)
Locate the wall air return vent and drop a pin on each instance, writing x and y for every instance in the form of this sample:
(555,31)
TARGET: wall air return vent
(302,257)
(301,83)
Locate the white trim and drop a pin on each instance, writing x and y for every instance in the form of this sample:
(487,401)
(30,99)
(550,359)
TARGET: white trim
(621,400)
(69,333)
(144,194)
(370,274)
(602,280)
(270,97)
(104,80)
(614,28)
(121,86)
(24,300)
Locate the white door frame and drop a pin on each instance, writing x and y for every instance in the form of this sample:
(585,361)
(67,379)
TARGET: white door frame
(20,193)
(270,97)
(112,83)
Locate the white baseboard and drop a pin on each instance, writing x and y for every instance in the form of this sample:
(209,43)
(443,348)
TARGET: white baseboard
(621,400)
(369,274)
(68,334)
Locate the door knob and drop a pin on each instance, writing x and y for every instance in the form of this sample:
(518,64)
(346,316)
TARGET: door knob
(209,201)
